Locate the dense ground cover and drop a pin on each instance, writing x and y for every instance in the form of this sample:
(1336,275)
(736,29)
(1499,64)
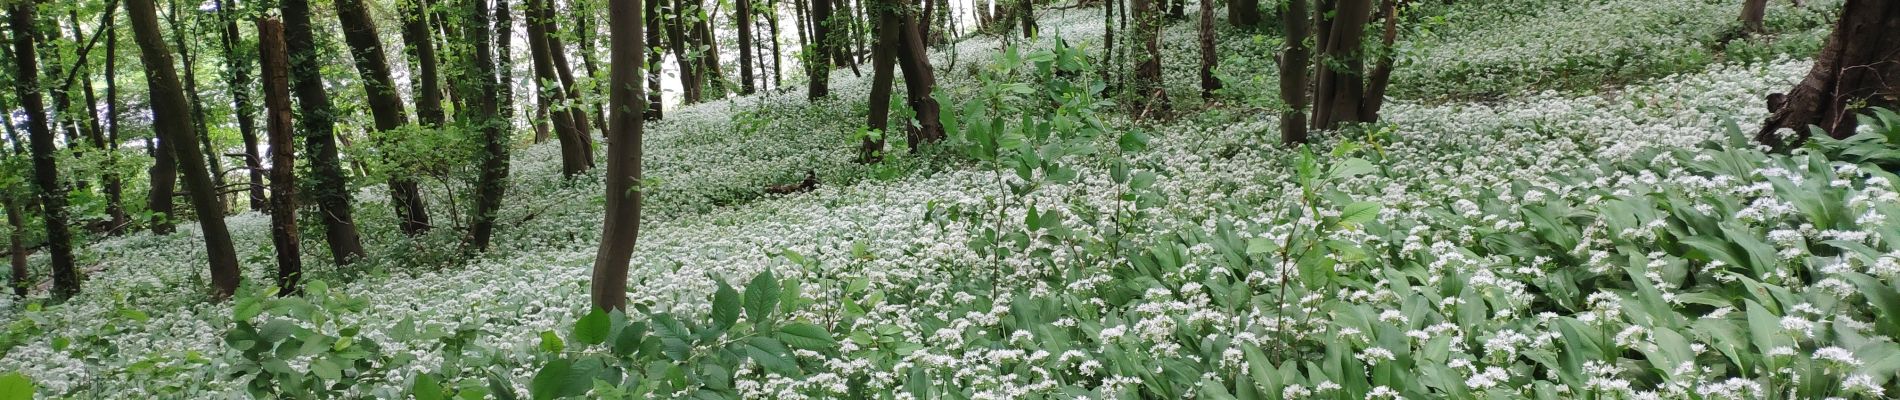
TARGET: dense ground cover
(1618,243)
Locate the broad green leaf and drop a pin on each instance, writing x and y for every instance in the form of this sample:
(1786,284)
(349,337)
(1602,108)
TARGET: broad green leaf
(14,386)
(807,336)
(554,377)
(551,342)
(425,388)
(761,296)
(1359,213)
(725,306)
(592,328)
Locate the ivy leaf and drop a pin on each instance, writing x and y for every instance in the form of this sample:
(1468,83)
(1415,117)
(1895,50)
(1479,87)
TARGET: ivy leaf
(592,329)
(725,306)
(761,296)
(14,386)
(807,336)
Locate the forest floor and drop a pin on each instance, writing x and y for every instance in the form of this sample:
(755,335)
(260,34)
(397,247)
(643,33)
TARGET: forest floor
(1544,167)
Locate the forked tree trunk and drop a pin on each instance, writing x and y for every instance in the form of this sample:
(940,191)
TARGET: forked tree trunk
(920,82)
(171,121)
(621,228)
(566,128)
(1293,67)
(283,176)
(26,81)
(479,82)
(318,127)
(883,61)
(385,107)
(1857,68)
(1209,82)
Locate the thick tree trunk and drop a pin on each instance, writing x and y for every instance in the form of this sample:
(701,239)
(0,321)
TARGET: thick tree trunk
(318,127)
(1342,84)
(492,181)
(566,127)
(189,61)
(1753,11)
(1209,82)
(422,58)
(818,60)
(1293,66)
(621,228)
(238,75)
(743,9)
(26,83)
(283,176)
(385,107)
(541,118)
(1027,15)
(169,120)
(1856,69)
(654,60)
(1147,82)
(883,60)
(920,83)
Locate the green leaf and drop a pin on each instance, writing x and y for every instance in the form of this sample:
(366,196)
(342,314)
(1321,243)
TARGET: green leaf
(134,315)
(725,306)
(771,354)
(592,329)
(1353,167)
(426,388)
(1261,246)
(553,377)
(919,383)
(326,369)
(14,386)
(1359,213)
(551,342)
(807,336)
(761,296)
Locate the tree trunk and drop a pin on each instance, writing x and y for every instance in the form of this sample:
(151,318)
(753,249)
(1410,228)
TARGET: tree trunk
(283,176)
(588,29)
(318,127)
(1027,15)
(566,127)
(1243,13)
(1381,75)
(1342,84)
(238,75)
(710,66)
(621,228)
(505,64)
(655,59)
(1147,82)
(115,184)
(16,246)
(883,59)
(422,58)
(1293,66)
(575,104)
(385,107)
(203,129)
(541,118)
(1209,82)
(743,9)
(169,120)
(492,181)
(818,61)
(778,72)
(688,61)
(1752,13)
(1855,70)
(84,66)
(40,137)
(920,82)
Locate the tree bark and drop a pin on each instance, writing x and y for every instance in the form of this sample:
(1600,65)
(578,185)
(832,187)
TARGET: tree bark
(655,59)
(1856,69)
(621,228)
(1381,75)
(427,82)
(189,63)
(283,177)
(1753,11)
(16,246)
(778,73)
(690,83)
(26,82)
(566,127)
(1293,78)
(576,105)
(883,60)
(318,127)
(1148,85)
(1341,80)
(819,60)
(170,120)
(385,107)
(505,64)
(492,181)
(115,184)
(1243,13)
(920,81)
(743,10)
(1209,82)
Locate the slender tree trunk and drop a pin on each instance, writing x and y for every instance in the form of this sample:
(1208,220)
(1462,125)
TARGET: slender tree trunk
(1209,82)
(743,10)
(541,118)
(1108,47)
(566,127)
(505,64)
(422,58)
(385,107)
(1243,13)
(483,116)
(115,184)
(16,246)
(778,73)
(688,60)
(93,131)
(64,120)
(203,129)
(283,176)
(919,81)
(655,59)
(169,120)
(1027,10)
(710,66)
(621,228)
(587,30)
(883,60)
(1381,75)
(1855,70)
(1752,13)
(318,126)
(1293,66)
(26,83)
(574,105)
(1148,85)
(238,75)
(818,59)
